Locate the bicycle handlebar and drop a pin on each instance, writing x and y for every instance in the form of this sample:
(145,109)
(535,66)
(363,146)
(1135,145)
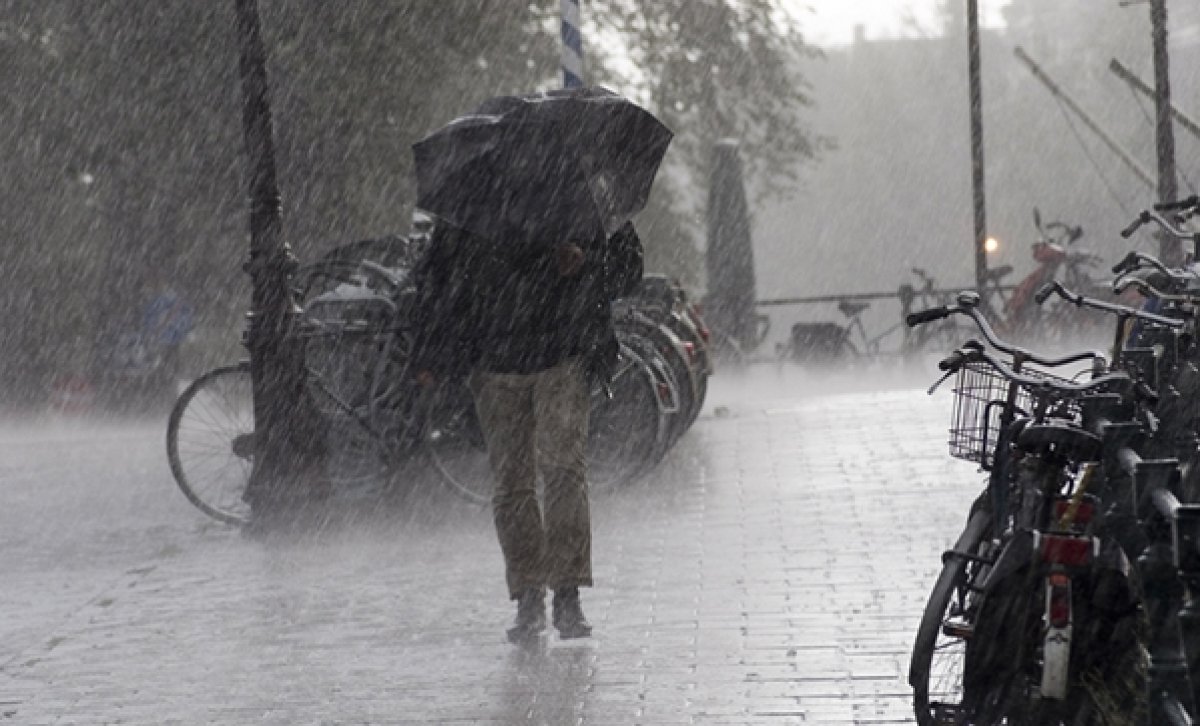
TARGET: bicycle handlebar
(927,282)
(968,305)
(1135,259)
(1119,380)
(1149,289)
(1056,287)
(1165,224)
(1071,233)
(926,316)
(1138,222)
(1187,203)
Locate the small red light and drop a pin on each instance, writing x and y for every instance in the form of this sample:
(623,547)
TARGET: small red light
(1059,611)
(705,333)
(1065,550)
(690,347)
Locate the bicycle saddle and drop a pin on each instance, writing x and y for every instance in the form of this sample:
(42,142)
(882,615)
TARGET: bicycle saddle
(1069,441)
(851,309)
(999,273)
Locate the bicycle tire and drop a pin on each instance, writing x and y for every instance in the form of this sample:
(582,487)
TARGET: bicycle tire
(936,670)
(626,433)
(684,380)
(1001,663)
(340,374)
(453,443)
(668,345)
(665,407)
(210,442)
(455,449)
(1108,671)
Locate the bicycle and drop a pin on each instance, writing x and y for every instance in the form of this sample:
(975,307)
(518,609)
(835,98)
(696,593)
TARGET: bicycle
(1057,259)
(354,335)
(1015,630)
(937,337)
(1145,463)
(665,302)
(828,343)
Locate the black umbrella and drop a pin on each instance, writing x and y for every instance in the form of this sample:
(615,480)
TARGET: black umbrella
(552,165)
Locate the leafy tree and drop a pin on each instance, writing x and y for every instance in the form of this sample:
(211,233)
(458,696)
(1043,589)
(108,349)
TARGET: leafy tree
(713,69)
(123,136)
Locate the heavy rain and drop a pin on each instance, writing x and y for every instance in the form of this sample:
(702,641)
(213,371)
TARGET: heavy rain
(600,362)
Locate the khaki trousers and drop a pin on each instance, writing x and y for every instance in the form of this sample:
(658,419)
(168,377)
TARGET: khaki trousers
(533,424)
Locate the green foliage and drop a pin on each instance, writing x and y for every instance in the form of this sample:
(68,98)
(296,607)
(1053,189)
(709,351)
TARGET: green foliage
(123,136)
(713,69)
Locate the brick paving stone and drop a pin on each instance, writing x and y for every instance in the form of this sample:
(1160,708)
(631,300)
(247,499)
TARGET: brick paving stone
(771,571)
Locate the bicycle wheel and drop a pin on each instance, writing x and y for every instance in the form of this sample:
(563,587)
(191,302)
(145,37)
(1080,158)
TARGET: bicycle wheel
(210,442)
(1107,663)
(454,445)
(665,409)
(937,670)
(627,431)
(341,370)
(667,347)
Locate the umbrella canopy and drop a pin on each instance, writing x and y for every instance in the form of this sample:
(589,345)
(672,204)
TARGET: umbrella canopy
(554,165)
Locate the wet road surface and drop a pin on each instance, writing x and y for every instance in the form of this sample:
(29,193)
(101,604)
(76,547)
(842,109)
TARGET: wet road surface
(771,571)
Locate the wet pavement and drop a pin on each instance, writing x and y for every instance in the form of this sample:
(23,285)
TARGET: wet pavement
(771,571)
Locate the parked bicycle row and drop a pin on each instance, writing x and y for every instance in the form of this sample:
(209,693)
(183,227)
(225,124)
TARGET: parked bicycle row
(376,423)
(1010,308)
(1070,597)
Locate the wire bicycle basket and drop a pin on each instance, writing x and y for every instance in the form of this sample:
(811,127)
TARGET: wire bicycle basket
(980,393)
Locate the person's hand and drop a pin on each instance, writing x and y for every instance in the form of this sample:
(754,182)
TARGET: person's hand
(426,378)
(568,257)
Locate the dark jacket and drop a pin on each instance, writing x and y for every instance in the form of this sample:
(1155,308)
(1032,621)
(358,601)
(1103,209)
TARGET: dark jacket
(506,309)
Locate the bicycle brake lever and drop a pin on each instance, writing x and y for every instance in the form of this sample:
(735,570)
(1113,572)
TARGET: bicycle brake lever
(940,381)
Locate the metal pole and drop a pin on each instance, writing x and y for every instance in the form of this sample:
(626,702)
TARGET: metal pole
(977,178)
(572,44)
(273,371)
(1170,249)
(1187,122)
(1039,74)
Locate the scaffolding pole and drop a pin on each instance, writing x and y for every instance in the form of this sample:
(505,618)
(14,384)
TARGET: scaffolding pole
(1053,87)
(1142,87)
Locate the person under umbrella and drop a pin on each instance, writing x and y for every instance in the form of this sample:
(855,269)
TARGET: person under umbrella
(515,295)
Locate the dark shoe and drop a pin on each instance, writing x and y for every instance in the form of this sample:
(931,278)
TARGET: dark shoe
(568,614)
(531,616)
